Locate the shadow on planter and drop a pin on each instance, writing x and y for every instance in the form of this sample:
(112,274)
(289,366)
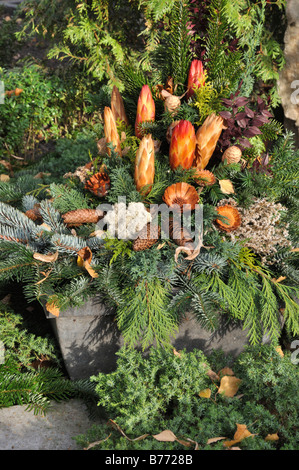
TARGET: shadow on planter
(89,338)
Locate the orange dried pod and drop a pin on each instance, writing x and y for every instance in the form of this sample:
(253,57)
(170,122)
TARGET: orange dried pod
(196,77)
(182,145)
(145,163)
(146,109)
(117,106)
(205,177)
(181,194)
(110,131)
(207,137)
(98,184)
(233,218)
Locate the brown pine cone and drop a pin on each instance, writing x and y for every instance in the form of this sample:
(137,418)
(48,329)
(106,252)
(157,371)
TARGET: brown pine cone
(82,216)
(143,241)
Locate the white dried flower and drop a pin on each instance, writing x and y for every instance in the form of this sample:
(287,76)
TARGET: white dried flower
(126,221)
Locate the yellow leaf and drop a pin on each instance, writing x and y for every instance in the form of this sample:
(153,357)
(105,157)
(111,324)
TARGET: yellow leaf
(84,259)
(4,177)
(226,371)
(226,186)
(206,393)
(272,437)
(240,434)
(279,351)
(50,258)
(165,436)
(52,308)
(229,385)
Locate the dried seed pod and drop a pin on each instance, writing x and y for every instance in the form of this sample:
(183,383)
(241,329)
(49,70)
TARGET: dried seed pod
(179,234)
(233,218)
(181,194)
(205,177)
(147,237)
(78,217)
(232,154)
(34,213)
(98,184)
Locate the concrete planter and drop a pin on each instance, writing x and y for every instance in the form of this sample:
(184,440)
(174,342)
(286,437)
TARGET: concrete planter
(89,338)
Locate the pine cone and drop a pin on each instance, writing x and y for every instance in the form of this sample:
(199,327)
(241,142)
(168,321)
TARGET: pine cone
(98,184)
(34,213)
(82,216)
(179,234)
(143,241)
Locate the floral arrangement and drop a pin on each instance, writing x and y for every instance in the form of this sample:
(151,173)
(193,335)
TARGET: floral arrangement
(196,143)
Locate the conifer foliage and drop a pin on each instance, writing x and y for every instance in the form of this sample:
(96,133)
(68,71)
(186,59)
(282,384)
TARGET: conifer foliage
(62,258)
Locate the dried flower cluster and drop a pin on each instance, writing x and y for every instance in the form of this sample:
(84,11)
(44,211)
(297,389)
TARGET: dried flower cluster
(127,221)
(261,227)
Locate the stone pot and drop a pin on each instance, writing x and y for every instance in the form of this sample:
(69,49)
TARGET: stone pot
(89,338)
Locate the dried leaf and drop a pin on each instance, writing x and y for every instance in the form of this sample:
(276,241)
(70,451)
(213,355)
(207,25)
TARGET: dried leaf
(84,260)
(116,426)
(281,278)
(51,307)
(226,186)
(205,393)
(50,258)
(272,437)
(90,270)
(165,436)
(215,439)
(279,351)
(4,177)
(229,386)
(85,254)
(176,353)
(213,376)
(240,434)
(226,371)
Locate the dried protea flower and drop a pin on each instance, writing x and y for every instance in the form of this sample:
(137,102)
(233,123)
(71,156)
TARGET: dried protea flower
(232,154)
(110,131)
(117,106)
(145,164)
(182,145)
(206,140)
(232,220)
(196,77)
(98,184)
(204,177)
(145,109)
(181,194)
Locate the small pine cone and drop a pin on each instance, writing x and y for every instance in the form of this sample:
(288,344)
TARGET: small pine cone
(82,216)
(34,213)
(98,184)
(179,234)
(147,237)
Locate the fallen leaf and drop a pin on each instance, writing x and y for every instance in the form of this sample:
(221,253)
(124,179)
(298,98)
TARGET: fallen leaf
(226,186)
(85,254)
(281,278)
(165,436)
(205,393)
(52,308)
(226,371)
(84,260)
(4,177)
(279,351)
(176,353)
(240,434)
(90,270)
(50,258)
(46,227)
(215,439)
(272,437)
(229,386)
